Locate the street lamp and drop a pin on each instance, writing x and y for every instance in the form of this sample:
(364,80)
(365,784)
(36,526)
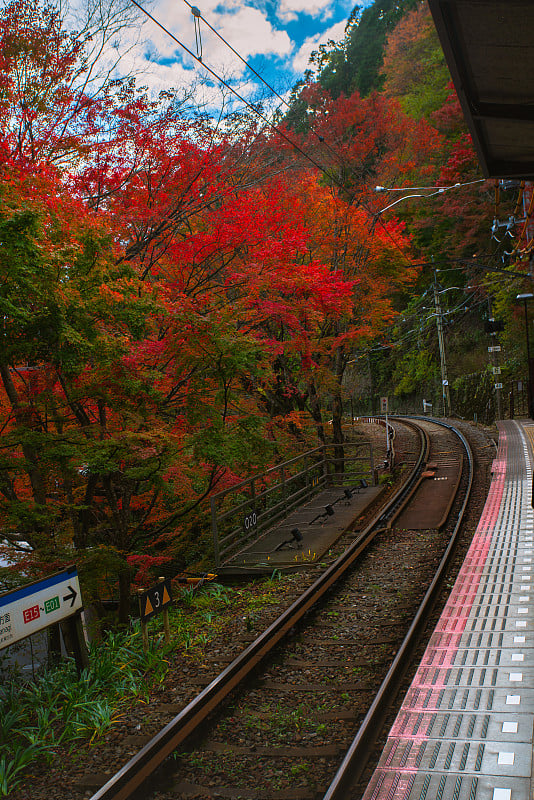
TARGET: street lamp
(430,191)
(530,362)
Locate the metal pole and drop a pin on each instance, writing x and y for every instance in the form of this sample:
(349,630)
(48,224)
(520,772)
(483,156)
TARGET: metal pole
(215,531)
(530,361)
(444,380)
(495,363)
(144,624)
(166,623)
(525,300)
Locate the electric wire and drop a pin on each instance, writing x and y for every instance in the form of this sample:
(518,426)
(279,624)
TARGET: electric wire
(421,188)
(375,216)
(432,194)
(427,324)
(528,218)
(439,189)
(198,15)
(519,199)
(239,96)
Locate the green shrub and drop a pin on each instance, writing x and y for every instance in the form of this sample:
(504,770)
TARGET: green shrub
(61,707)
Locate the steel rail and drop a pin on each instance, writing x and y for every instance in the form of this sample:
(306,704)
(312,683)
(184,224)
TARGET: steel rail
(131,776)
(357,757)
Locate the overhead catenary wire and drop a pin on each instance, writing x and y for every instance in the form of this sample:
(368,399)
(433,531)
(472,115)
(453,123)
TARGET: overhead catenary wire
(230,88)
(375,216)
(528,219)
(426,324)
(198,33)
(421,188)
(198,15)
(439,189)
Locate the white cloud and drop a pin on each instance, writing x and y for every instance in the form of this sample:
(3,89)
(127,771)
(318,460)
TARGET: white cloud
(301,60)
(247,29)
(289,9)
(250,33)
(154,75)
(160,62)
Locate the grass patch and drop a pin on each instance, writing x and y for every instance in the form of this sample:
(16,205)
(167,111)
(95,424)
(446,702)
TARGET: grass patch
(200,615)
(60,708)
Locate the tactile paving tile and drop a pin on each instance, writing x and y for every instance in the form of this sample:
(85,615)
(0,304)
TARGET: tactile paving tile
(465,728)
(436,786)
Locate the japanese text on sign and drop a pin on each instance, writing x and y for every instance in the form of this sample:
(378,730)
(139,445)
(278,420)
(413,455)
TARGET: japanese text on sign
(38,605)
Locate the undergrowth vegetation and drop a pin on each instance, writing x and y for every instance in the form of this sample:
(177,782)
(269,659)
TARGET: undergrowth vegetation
(59,709)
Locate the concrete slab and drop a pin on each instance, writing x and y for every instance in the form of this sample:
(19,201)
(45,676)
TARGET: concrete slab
(467,676)
(276,549)
(482,756)
(404,785)
(467,725)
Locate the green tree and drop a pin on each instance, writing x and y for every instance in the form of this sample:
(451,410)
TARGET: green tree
(414,67)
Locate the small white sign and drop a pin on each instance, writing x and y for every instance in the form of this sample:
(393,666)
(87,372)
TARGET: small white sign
(494,349)
(383,405)
(496,370)
(38,605)
(498,385)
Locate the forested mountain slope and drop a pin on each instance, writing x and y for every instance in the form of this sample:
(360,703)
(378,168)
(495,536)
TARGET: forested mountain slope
(187,300)
(391,52)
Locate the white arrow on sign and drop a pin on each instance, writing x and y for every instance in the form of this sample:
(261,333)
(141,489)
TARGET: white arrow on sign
(38,605)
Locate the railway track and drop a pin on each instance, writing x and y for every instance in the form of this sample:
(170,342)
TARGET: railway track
(284,734)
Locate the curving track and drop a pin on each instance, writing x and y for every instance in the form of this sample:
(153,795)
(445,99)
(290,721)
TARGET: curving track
(308,701)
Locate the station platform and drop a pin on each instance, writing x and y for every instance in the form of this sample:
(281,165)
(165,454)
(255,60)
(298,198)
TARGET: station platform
(276,548)
(465,728)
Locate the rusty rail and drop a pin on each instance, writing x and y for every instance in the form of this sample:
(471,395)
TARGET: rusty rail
(143,764)
(355,761)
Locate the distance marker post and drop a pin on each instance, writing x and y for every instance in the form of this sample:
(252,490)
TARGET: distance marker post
(166,626)
(153,601)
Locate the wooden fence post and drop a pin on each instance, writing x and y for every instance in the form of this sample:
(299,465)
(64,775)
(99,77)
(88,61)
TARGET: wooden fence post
(166,626)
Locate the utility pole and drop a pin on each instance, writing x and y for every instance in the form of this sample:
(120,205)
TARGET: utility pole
(493,328)
(446,397)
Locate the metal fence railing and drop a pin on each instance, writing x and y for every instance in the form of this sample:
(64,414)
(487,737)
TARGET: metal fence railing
(240,515)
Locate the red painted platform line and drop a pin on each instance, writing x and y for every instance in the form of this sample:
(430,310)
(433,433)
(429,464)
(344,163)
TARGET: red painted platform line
(454,617)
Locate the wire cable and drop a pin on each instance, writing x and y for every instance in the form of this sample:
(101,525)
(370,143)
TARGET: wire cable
(198,34)
(429,188)
(528,219)
(240,97)
(375,216)
(197,14)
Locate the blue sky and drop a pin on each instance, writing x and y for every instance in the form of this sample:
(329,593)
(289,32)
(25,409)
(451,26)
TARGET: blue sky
(275,36)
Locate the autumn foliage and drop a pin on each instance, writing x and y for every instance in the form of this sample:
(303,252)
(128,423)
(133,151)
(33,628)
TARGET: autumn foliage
(176,301)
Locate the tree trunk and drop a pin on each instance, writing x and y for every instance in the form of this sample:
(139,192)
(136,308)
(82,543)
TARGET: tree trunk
(316,411)
(337,415)
(337,434)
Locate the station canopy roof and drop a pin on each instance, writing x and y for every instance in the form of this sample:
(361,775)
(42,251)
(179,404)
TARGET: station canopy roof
(489,47)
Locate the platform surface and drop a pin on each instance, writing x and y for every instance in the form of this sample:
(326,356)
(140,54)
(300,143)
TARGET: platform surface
(319,532)
(465,729)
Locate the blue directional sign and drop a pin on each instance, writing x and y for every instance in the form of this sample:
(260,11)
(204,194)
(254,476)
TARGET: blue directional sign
(38,605)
